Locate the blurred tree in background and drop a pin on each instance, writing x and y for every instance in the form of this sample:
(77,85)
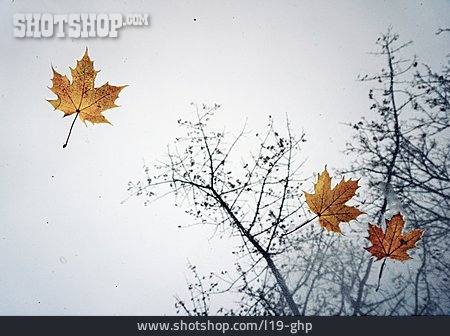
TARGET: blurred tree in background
(403,152)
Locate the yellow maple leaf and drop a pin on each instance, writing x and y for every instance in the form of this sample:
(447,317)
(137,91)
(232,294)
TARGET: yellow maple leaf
(392,243)
(81,96)
(329,204)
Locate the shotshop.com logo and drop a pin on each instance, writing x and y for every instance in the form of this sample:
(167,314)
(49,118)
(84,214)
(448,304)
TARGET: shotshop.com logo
(74,25)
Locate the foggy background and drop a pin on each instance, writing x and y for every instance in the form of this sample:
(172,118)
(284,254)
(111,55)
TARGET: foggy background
(67,244)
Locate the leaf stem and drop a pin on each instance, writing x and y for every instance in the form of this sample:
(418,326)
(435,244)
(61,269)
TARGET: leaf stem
(300,226)
(70,131)
(381,272)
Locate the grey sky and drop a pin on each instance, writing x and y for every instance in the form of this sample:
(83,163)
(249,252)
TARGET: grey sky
(67,245)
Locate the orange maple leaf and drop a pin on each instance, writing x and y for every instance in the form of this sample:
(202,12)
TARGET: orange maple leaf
(392,243)
(81,96)
(329,204)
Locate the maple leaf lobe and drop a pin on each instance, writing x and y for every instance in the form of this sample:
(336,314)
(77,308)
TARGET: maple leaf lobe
(81,96)
(392,243)
(329,204)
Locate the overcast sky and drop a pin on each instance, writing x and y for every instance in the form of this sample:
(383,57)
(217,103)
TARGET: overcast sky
(67,244)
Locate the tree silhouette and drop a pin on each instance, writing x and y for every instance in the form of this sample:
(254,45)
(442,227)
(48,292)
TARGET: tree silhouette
(258,200)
